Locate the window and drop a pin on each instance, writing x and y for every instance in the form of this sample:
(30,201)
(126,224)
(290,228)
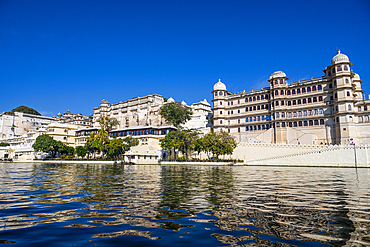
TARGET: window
(277,115)
(277,103)
(238,121)
(333,70)
(319,87)
(316,122)
(298,91)
(238,111)
(220,112)
(347,81)
(246,120)
(232,112)
(290,124)
(335,95)
(310,123)
(258,118)
(246,99)
(238,129)
(276,92)
(215,93)
(299,102)
(289,115)
(316,112)
(305,123)
(295,124)
(320,98)
(349,108)
(283,124)
(250,99)
(254,98)
(276,82)
(294,102)
(321,111)
(314,99)
(345,68)
(220,93)
(288,92)
(282,92)
(330,86)
(304,101)
(321,121)
(266,96)
(289,103)
(331,97)
(254,108)
(293,91)
(232,102)
(220,102)
(246,109)
(300,123)
(294,114)
(251,119)
(258,97)
(250,108)
(348,94)
(336,108)
(313,88)
(228,103)
(255,119)
(281,81)
(329,74)
(246,128)
(309,100)
(258,108)
(238,102)
(282,102)
(299,114)
(309,113)
(308,89)
(283,114)
(228,112)
(335,82)
(339,68)
(262,97)
(303,90)
(262,107)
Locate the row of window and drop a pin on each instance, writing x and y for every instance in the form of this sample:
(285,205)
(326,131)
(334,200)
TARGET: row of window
(338,69)
(139,132)
(363,119)
(299,90)
(283,124)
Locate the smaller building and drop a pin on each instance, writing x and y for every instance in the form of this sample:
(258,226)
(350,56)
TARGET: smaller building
(73,118)
(66,133)
(83,134)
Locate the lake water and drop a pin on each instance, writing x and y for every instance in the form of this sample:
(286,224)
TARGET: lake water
(114,205)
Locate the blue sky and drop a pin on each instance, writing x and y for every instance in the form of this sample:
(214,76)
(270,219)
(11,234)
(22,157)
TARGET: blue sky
(60,55)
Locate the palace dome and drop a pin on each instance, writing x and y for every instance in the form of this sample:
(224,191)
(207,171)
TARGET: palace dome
(219,85)
(170,100)
(277,74)
(339,58)
(356,77)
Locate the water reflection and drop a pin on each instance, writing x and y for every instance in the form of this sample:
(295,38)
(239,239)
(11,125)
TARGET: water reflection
(184,205)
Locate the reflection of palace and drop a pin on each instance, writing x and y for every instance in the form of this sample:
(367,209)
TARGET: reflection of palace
(323,110)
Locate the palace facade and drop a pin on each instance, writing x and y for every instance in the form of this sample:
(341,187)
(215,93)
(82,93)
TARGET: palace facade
(323,110)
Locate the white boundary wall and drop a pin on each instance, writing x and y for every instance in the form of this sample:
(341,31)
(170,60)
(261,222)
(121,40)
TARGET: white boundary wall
(303,155)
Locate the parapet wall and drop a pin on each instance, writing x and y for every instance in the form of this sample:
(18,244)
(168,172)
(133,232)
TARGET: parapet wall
(303,155)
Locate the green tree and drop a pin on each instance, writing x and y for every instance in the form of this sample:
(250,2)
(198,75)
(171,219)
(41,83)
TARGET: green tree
(107,123)
(219,143)
(117,147)
(175,113)
(47,144)
(181,140)
(81,151)
(26,109)
(2,144)
(92,145)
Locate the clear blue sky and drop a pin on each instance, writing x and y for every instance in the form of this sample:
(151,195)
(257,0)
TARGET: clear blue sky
(60,55)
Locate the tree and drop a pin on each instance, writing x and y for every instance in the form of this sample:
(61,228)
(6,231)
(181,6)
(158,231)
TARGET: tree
(91,144)
(107,123)
(26,109)
(81,151)
(175,113)
(47,144)
(219,143)
(2,144)
(181,140)
(117,147)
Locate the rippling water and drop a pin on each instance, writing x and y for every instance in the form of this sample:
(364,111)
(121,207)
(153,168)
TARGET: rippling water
(111,205)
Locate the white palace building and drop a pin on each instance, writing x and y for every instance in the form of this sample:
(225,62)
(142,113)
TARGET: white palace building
(323,110)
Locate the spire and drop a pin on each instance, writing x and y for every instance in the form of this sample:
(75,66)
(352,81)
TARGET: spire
(219,79)
(338,51)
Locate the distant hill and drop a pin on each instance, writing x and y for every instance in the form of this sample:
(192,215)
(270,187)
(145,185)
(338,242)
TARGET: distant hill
(26,109)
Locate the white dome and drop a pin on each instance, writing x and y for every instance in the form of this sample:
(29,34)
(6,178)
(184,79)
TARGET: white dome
(278,74)
(356,77)
(170,100)
(339,58)
(219,85)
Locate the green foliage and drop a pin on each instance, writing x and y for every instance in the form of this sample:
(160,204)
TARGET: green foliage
(175,113)
(26,109)
(181,140)
(117,147)
(219,143)
(107,123)
(2,144)
(47,144)
(81,151)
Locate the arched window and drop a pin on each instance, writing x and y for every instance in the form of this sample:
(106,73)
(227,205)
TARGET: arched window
(288,92)
(238,101)
(238,111)
(298,91)
(348,93)
(345,68)
(255,119)
(250,127)
(277,115)
(220,102)
(258,108)
(246,128)
(220,112)
(316,112)
(310,123)
(294,102)
(232,112)
(299,102)
(215,93)
(254,108)
(329,73)
(303,90)
(266,96)
(246,120)
(319,87)
(250,119)
(309,113)
(283,114)
(262,107)
(258,97)
(295,124)
(349,108)
(294,114)
(289,103)
(314,99)
(321,111)
(262,97)
(313,88)
(281,81)
(320,98)
(254,98)
(347,81)
(220,93)
(250,108)
(250,99)
(339,68)
(255,127)
(300,123)
(282,92)
(299,114)
(276,92)
(282,102)
(258,118)
(289,115)
(304,101)
(293,91)
(321,121)
(308,89)
(246,99)
(283,124)
(333,70)
(238,129)
(276,82)
(290,124)
(305,123)
(335,82)
(277,103)
(335,95)
(309,100)
(246,109)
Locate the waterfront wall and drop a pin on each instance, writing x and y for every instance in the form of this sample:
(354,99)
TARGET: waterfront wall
(303,155)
